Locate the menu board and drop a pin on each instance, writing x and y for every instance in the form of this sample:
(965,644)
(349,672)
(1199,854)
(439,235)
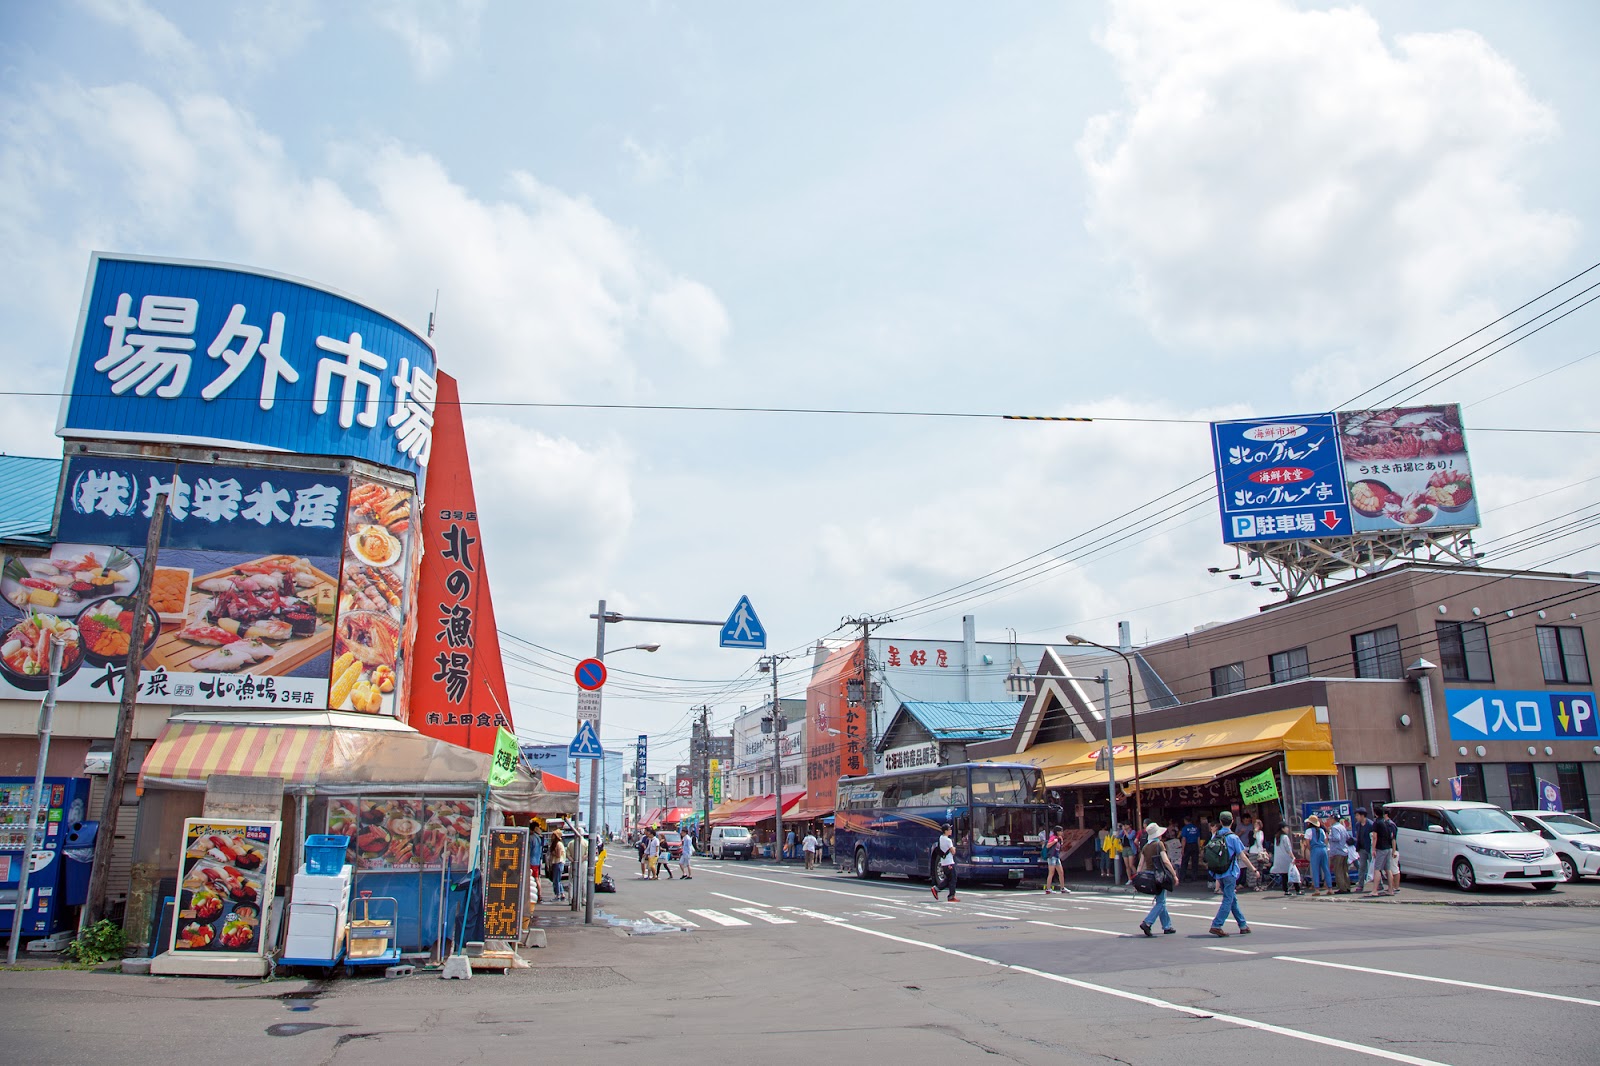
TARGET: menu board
(505,883)
(373,593)
(406,833)
(225,885)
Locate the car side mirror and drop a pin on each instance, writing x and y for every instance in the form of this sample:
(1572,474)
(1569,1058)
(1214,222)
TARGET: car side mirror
(1436,829)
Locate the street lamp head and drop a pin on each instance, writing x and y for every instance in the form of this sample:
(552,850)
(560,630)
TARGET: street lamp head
(649,647)
(1073,638)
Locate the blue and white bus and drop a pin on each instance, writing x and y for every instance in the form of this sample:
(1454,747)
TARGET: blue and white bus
(889,823)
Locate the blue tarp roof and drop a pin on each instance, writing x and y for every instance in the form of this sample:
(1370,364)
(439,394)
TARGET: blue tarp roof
(27,498)
(965,721)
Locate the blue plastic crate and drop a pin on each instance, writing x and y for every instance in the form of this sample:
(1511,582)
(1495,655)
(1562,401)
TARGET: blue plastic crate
(325,853)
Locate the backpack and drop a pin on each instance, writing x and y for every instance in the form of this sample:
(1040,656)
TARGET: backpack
(1216,856)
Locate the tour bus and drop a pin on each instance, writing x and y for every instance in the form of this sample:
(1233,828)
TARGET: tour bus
(889,823)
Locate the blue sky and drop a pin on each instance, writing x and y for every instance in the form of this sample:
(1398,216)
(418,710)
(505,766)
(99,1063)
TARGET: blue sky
(1148,210)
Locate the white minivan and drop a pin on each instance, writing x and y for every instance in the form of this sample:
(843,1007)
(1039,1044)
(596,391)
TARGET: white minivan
(731,841)
(1470,844)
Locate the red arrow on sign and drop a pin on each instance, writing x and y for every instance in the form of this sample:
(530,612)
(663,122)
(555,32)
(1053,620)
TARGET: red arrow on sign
(1330,518)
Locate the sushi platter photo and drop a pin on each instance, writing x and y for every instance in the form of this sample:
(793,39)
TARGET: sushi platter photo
(225,885)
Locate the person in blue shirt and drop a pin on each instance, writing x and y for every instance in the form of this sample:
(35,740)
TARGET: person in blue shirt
(1190,835)
(1229,879)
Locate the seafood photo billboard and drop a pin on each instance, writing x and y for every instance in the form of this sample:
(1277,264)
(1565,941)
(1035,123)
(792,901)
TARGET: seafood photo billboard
(226,880)
(406,833)
(1407,468)
(247,603)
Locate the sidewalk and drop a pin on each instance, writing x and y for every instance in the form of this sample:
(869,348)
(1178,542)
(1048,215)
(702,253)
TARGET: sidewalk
(1584,893)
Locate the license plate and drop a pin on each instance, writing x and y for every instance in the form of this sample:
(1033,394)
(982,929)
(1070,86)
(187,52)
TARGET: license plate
(1531,871)
(1015,875)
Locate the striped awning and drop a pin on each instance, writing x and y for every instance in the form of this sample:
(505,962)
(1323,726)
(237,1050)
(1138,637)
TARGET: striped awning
(190,752)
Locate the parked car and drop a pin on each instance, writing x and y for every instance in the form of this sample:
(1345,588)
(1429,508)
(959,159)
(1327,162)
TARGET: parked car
(1470,844)
(1576,841)
(731,841)
(671,845)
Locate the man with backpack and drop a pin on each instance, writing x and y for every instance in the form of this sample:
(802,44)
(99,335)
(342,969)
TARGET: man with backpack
(1385,865)
(1222,856)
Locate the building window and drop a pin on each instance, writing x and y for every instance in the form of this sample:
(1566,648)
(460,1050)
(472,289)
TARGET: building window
(1471,775)
(1290,665)
(1464,651)
(1563,655)
(1574,796)
(1226,679)
(1524,796)
(1377,653)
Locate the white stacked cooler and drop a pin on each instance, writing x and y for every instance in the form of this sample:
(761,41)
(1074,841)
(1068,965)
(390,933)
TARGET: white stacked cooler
(318,910)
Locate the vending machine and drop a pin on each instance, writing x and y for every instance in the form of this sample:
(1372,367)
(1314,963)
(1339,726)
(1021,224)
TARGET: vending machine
(66,803)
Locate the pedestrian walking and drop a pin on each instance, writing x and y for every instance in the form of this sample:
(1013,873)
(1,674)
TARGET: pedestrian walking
(1317,853)
(1386,855)
(788,844)
(1155,857)
(946,850)
(1232,851)
(1052,861)
(1130,851)
(535,860)
(1283,861)
(1339,855)
(686,856)
(652,855)
(1363,835)
(1190,835)
(810,845)
(644,871)
(558,865)
(1174,846)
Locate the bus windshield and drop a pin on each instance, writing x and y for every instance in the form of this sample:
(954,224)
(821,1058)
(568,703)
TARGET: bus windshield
(1007,784)
(1009,826)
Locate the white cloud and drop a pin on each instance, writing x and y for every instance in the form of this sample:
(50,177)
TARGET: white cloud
(151,31)
(1284,176)
(692,318)
(432,31)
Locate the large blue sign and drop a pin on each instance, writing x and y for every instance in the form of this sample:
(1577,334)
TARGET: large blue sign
(1280,479)
(640,766)
(1506,714)
(213,508)
(199,353)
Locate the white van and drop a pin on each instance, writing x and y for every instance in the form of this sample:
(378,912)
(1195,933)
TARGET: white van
(1470,844)
(731,841)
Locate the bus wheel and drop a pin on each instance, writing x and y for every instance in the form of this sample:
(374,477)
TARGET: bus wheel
(862,870)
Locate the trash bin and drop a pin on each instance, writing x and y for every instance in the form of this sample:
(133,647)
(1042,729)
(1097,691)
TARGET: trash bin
(78,852)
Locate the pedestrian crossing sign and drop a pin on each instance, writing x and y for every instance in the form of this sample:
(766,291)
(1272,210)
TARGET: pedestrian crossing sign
(586,745)
(743,629)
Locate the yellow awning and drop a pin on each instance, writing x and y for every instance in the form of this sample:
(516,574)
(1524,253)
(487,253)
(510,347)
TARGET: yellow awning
(1315,763)
(1084,777)
(1200,771)
(1295,729)
(1053,757)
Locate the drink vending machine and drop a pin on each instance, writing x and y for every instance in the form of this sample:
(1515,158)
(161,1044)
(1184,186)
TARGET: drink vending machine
(66,802)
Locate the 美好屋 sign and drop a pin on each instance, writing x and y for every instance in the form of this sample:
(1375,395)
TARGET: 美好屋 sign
(175,351)
(1258,789)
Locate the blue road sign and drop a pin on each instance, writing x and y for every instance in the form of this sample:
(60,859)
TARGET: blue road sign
(586,745)
(640,767)
(1280,479)
(743,629)
(1504,714)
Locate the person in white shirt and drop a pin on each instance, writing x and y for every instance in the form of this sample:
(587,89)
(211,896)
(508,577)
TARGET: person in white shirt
(946,850)
(810,846)
(687,842)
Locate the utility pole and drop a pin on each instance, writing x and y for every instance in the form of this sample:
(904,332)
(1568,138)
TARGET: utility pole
(769,665)
(868,698)
(100,870)
(704,726)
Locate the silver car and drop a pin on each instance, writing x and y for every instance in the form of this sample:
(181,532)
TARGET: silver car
(1575,840)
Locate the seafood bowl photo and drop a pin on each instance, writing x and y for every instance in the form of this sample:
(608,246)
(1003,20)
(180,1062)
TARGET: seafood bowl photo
(1450,490)
(73,576)
(195,936)
(107,630)
(1373,498)
(374,545)
(206,905)
(1416,513)
(25,651)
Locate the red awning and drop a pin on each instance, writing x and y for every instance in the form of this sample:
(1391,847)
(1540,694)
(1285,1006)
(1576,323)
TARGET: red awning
(558,784)
(760,810)
(806,814)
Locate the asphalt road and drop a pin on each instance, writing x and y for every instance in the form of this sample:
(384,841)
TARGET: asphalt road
(750,963)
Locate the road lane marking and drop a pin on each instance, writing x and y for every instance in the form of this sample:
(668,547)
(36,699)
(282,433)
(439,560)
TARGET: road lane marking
(989,914)
(668,918)
(718,917)
(1151,1001)
(1079,928)
(811,914)
(1442,980)
(807,888)
(1235,951)
(875,914)
(770,919)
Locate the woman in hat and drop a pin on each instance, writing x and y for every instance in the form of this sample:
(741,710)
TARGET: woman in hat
(1317,847)
(1154,857)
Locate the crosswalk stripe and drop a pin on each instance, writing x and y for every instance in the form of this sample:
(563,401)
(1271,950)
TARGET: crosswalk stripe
(772,919)
(668,918)
(875,914)
(810,914)
(719,917)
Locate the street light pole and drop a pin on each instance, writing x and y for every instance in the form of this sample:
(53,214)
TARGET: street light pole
(769,665)
(1133,726)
